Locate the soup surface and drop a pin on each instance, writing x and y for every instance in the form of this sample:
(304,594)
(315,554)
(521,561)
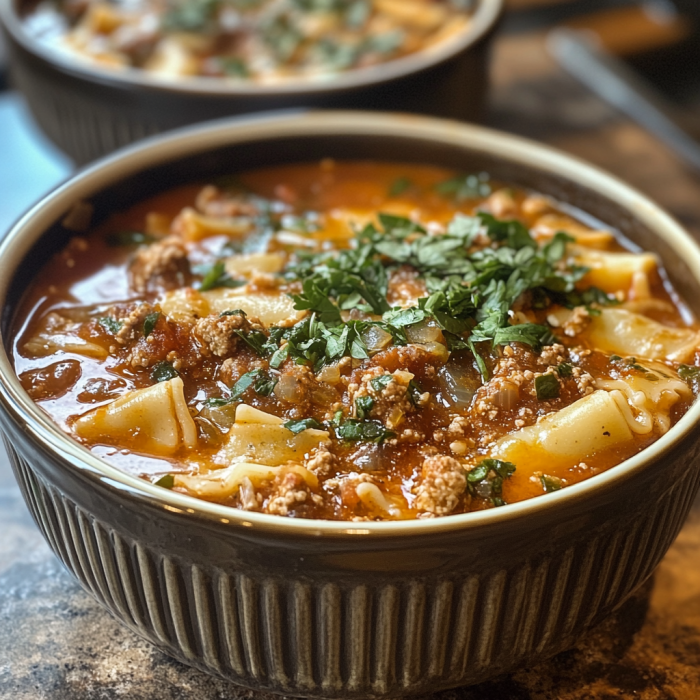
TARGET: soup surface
(357,341)
(266,41)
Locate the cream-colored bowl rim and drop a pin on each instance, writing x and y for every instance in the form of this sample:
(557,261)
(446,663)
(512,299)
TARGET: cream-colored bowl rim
(192,140)
(483,19)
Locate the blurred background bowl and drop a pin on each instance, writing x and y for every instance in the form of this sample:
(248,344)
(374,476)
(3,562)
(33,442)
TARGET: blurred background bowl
(88,111)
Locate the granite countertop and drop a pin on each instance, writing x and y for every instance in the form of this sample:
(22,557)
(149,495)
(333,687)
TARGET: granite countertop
(56,643)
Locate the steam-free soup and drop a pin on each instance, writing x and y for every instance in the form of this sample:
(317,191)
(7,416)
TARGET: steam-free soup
(357,341)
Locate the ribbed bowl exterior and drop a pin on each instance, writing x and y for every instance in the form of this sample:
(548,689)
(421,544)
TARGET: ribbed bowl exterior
(327,632)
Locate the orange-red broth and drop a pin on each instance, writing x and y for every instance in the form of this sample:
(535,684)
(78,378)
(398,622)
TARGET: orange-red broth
(89,276)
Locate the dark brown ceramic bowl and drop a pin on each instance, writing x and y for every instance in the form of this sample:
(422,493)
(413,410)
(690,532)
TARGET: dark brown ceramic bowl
(88,111)
(333,609)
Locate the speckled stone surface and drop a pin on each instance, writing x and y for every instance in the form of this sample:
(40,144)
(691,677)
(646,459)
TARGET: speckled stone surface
(56,643)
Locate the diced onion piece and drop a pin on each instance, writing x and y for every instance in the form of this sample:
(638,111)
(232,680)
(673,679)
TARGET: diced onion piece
(506,396)
(274,309)
(154,420)
(289,389)
(249,414)
(376,339)
(424,332)
(238,265)
(458,384)
(329,374)
(437,350)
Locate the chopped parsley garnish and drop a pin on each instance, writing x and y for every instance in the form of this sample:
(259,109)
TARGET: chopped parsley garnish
(470,291)
(689,373)
(381,383)
(128,238)
(298,426)
(414,392)
(565,369)
(243,384)
(363,406)
(486,480)
(399,186)
(149,323)
(353,430)
(163,372)
(216,276)
(110,324)
(550,483)
(465,186)
(167,481)
(258,379)
(547,387)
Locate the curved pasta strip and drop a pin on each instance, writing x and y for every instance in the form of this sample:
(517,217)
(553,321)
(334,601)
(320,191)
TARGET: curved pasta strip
(260,437)
(588,426)
(238,265)
(225,483)
(194,226)
(272,309)
(626,333)
(154,420)
(616,272)
(57,334)
(374,500)
(184,305)
(650,401)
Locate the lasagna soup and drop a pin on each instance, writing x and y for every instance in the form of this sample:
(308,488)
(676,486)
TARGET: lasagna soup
(265,41)
(357,341)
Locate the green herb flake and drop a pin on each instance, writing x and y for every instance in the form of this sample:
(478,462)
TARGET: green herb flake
(122,239)
(166,481)
(243,384)
(163,372)
(149,323)
(486,480)
(110,324)
(565,369)
(217,277)
(689,373)
(547,387)
(363,431)
(381,383)
(399,186)
(550,483)
(465,186)
(298,426)
(363,406)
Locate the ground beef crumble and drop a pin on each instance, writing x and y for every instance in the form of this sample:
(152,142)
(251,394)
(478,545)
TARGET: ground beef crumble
(217,334)
(442,484)
(160,266)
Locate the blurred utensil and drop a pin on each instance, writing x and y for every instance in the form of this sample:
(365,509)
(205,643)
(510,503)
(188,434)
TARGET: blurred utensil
(611,79)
